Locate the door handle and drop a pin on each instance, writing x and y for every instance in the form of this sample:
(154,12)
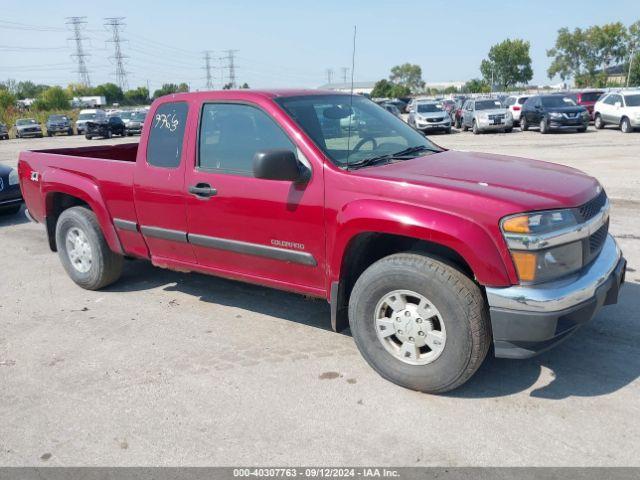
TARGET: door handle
(202,190)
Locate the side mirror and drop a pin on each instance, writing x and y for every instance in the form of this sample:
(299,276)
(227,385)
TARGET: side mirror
(279,165)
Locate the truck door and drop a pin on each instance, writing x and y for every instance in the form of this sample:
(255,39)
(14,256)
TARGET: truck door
(263,230)
(159,184)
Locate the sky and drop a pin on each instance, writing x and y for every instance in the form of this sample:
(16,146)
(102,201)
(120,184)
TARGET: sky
(286,43)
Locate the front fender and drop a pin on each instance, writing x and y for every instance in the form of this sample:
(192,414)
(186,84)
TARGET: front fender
(467,238)
(62,181)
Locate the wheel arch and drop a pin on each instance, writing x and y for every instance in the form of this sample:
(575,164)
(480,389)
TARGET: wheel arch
(61,193)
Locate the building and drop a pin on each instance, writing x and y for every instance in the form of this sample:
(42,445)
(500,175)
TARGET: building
(358,87)
(616,74)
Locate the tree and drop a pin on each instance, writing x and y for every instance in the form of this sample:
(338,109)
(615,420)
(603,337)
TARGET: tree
(169,88)
(53,98)
(28,89)
(382,89)
(476,85)
(407,75)
(110,91)
(245,85)
(138,96)
(7,99)
(634,71)
(569,54)
(79,90)
(183,87)
(610,42)
(508,64)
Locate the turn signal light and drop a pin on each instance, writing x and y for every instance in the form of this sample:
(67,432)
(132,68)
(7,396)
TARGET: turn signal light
(525,263)
(518,224)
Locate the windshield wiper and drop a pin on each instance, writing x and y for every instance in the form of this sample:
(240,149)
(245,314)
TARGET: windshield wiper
(402,154)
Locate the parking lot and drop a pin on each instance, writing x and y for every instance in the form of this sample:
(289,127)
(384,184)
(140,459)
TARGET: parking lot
(166,368)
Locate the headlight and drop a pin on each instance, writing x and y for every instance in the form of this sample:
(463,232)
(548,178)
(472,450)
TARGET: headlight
(555,115)
(539,264)
(13,177)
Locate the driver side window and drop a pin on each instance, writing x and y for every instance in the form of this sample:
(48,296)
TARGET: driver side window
(231,134)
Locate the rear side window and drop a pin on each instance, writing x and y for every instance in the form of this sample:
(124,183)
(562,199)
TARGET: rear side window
(231,134)
(521,100)
(166,135)
(591,96)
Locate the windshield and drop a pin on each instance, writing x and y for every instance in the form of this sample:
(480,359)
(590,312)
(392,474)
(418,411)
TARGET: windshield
(557,101)
(139,116)
(488,104)
(632,100)
(364,132)
(125,115)
(87,116)
(26,121)
(428,107)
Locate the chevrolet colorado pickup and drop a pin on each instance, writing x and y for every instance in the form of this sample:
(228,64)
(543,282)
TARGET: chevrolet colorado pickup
(430,256)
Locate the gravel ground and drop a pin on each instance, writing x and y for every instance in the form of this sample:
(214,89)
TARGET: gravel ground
(165,368)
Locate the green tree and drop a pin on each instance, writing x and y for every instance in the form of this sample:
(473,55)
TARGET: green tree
(407,75)
(245,86)
(169,88)
(609,42)
(79,90)
(183,87)
(476,85)
(7,99)
(28,89)
(53,98)
(110,91)
(508,63)
(137,96)
(382,89)
(569,54)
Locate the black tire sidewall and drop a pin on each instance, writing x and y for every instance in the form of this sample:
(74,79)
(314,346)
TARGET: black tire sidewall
(454,359)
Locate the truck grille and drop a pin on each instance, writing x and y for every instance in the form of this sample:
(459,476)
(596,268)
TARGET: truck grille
(435,120)
(497,119)
(592,207)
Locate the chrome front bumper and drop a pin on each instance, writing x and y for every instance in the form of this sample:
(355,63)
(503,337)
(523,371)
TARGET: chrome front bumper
(527,320)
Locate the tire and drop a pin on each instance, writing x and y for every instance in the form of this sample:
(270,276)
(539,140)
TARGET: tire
(88,137)
(108,135)
(508,130)
(582,129)
(598,122)
(48,134)
(448,130)
(524,125)
(105,266)
(625,125)
(464,127)
(474,128)
(69,133)
(544,128)
(459,302)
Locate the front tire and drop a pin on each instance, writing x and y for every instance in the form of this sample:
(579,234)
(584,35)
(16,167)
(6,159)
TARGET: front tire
(475,128)
(544,128)
(625,125)
(83,250)
(403,305)
(598,122)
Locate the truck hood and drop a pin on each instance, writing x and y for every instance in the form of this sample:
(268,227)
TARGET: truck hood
(514,184)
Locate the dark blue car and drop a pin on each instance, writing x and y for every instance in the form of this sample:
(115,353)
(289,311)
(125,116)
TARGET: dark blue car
(10,195)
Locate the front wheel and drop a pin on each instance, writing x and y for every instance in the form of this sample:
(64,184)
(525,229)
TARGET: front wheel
(419,322)
(475,128)
(88,137)
(625,126)
(83,250)
(544,128)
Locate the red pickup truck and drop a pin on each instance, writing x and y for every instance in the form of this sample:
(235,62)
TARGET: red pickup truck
(427,254)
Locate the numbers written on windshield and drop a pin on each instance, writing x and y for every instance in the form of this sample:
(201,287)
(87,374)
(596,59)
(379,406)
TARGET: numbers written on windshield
(168,121)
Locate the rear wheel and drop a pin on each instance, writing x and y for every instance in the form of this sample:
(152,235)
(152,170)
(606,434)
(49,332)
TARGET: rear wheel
(509,130)
(83,250)
(625,125)
(524,125)
(419,322)
(88,137)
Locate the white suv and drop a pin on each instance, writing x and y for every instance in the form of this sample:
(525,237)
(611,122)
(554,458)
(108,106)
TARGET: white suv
(514,104)
(618,108)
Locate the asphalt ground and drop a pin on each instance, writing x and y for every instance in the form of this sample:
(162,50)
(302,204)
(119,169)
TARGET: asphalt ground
(166,368)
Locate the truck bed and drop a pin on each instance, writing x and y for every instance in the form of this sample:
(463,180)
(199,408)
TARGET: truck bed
(101,174)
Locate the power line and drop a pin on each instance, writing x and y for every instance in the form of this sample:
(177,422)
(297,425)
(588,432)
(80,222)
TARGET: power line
(230,58)
(115,23)
(77,23)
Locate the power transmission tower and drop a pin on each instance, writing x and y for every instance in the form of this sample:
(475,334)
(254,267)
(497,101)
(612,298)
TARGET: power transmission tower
(115,24)
(345,74)
(207,67)
(230,58)
(329,72)
(77,24)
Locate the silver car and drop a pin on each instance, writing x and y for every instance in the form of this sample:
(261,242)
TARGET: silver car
(486,114)
(27,127)
(429,117)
